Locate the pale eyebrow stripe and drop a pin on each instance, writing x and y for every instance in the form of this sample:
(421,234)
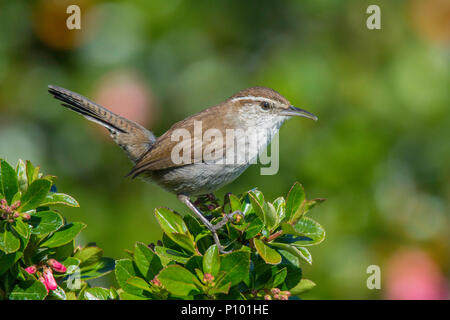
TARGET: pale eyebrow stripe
(253,98)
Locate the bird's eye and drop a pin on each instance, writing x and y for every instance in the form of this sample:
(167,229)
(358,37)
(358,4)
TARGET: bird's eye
(265,105)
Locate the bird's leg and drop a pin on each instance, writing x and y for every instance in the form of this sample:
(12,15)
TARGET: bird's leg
(213,228)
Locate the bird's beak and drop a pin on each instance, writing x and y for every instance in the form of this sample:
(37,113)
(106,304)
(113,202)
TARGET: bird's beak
(294,111)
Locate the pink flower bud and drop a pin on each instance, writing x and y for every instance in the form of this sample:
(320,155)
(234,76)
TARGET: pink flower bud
(26,216)
(275,291)
(284,297)
(49,279)
(267,297)
(41,279)
(56,265)
(16,205)
(31,269)
(207,277)
(3,202)
(276,296)
(156,282)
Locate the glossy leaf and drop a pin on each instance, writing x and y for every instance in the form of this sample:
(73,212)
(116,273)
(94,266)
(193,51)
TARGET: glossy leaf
(35,195)
(88,255)
(28,290)
(295,198)
(44,222)
(124,271)
(236,267)
(270,216)
(54,198)
(298,252)
(211,261)
(98,269)
(9,185)
(146,261)
(175,228)
(22,179)
(268,254)
(312,231)
(303,286)
(97,294)
(9,241)
(179,281)
(64,235)
(22,228)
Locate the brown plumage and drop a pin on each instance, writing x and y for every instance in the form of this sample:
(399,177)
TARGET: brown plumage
(246,113)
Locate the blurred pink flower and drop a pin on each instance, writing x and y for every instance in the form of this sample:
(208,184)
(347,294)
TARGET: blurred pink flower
(412,275)
(125,93)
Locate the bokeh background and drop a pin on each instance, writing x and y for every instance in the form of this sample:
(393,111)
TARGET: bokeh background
(380,152)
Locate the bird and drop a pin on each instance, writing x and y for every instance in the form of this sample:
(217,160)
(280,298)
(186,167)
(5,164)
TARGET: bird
(178,160)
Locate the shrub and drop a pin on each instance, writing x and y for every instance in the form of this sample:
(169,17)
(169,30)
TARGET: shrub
(266,244)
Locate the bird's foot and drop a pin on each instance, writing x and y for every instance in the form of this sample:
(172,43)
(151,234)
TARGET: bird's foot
(225,219)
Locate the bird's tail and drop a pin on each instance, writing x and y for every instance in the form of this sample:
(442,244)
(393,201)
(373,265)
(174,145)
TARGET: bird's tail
(134,139)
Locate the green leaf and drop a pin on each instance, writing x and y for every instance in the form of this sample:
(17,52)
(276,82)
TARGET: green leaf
(170,221)
(311,231)
(97,294)
(30,170)
(186,241)
(8,181)
(270,215)
(298,252)
(22,179)
(29,290)
(279,278)
(236,266)
(235,204)
(179,281)
(89,255)
(303,286)
(139,283)
(59,199)
(175,228)
(268,254)
(99,269)
(146,261)
(167,254)
(9,242)
(124,271)
(35,194)
(64,235)
(22,228)
(280,208)
(255,225)
(258,195)
(58,294)
(294,200)
(311,204)
(44,222)
(211,261)
(257,207)
(7,260)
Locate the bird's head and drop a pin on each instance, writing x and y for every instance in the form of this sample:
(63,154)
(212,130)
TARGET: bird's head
(264,107)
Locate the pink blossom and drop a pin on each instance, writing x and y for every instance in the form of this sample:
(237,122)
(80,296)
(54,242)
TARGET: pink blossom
(49,279)
(31,269)
(41,279)
(57,266)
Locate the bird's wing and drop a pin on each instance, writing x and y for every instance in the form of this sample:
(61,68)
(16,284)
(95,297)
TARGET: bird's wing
(182,134)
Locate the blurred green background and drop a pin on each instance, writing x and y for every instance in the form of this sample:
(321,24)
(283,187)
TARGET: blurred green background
(380,152)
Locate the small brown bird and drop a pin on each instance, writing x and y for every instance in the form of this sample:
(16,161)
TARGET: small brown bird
(203,167)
